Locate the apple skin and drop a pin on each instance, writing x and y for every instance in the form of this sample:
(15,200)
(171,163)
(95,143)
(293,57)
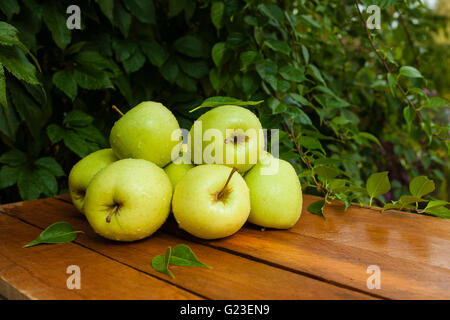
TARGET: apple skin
(139,189)
(198,212)
(230,117)
(276,200)
(145,132)
(177,171)
(84,170)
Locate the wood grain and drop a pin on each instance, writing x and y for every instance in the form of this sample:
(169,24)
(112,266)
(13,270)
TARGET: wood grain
(232,276)
(398,234)
(40,272)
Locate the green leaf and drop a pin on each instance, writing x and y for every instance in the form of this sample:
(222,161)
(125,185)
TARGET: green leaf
(292,73)
(77,118)
(170,70)
(310,21)
(9,8)
(327,172)
(267,71)
(410,72)
(305,54)
(217,10)
(435,204)
(218,54)
(392,83)
(59,232)
(439,211)
(420,186)
(435,102)
(191,46)
(409,114)
(91,133)
(143,10)
(14,60)
(50,165)
(317,208)
(48,183)
(92,79)
(311,143)
(155,53)
(8,176)
(405,200)
(378,184)
(278,46)
(55,133)
(122,18)
(247,58)
(13,158)
(390,206)
(161,263)
(56,24)
(220,101)
(29,184)
(183,256)
(315,73)
(272,11)
(135,62)
(9,123)
(369,136)
(77,144)
(65,81)
(196,69)
(107,7)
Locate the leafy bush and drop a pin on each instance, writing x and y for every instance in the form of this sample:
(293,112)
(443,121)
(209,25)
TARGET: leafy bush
(350,101)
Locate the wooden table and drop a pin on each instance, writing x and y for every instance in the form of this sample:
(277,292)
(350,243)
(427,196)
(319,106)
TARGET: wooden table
(316,259)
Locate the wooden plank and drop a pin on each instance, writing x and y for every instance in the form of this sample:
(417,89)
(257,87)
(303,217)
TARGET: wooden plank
(399,234)
(232,276)
(336,262)
(40,272)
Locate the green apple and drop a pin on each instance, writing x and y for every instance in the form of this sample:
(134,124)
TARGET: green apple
(240,137)
(211,201)
(128,200)
(176,171)
(83,172)
(145,132)
(275,194)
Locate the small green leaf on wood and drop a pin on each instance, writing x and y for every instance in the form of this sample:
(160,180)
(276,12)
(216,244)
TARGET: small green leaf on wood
(183,256)
(317,208)
(420,186)
(378,184)
(161,263)
(59,232)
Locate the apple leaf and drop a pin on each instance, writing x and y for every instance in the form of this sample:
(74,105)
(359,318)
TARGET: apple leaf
(59,232)
(317,208)
(161,263)
(183,256)
(220,101)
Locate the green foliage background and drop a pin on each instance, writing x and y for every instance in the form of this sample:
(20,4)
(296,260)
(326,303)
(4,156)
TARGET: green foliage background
(343,114)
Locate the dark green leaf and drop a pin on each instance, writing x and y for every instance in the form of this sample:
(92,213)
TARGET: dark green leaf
(51,165)
(155,53)
(107,7)
(161,263)
(77,118)
(317,208)
(9,8)
(217,10)
(55,133)
(144,10)
(191,46)
(14,60)
(278,46)
(65,81)
(9,176)
(56,24)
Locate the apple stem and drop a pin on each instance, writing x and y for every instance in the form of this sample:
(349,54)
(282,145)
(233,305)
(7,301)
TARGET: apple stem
(117,109)
(221,193)
(113,211)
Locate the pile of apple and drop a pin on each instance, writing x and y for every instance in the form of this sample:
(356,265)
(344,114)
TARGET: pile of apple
(128,191)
